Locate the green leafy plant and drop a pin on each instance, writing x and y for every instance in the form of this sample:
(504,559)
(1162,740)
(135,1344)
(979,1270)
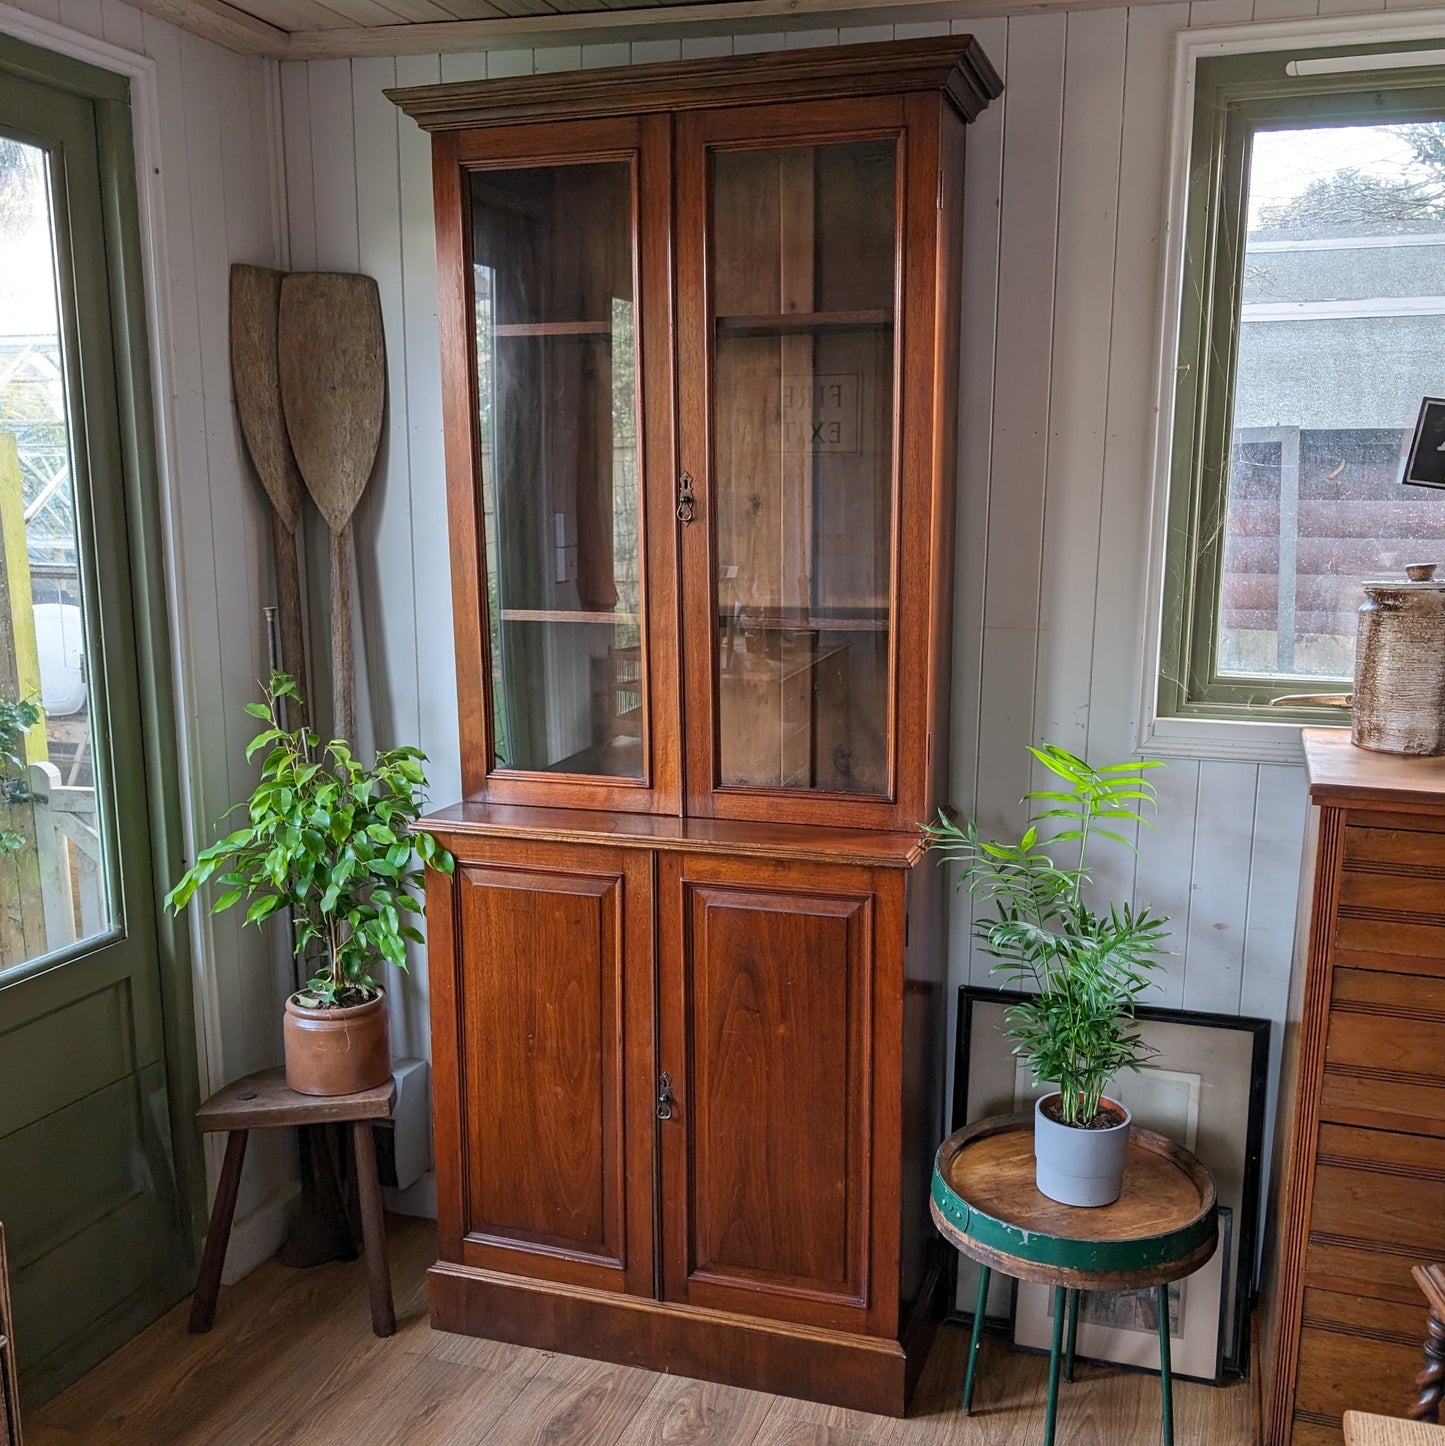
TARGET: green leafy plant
(1084,970)
(17,717)
(333,842)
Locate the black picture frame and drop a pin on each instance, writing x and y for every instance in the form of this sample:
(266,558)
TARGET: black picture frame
(1247,1203)
(1145,1361)
(1425,459)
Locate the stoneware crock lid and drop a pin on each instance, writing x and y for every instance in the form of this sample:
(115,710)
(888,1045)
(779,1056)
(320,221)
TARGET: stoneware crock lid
(1419,577)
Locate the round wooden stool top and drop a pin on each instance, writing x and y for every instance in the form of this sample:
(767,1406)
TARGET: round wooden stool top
(1162,1227)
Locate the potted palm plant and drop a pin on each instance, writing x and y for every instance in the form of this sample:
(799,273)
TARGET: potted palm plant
(330,841)
(1084,970)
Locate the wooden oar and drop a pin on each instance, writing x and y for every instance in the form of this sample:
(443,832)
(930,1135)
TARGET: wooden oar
(333,390)
(255,379)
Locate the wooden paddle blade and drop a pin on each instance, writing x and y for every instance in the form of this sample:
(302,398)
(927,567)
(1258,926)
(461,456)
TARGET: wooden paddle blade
(256,381)
(333,384)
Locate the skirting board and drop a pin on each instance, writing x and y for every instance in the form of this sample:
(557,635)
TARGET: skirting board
(862,1373)
(257,1236)
(419,1198)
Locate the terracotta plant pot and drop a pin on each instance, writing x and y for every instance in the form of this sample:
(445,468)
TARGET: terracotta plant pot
(337,1051)
(1080,1167)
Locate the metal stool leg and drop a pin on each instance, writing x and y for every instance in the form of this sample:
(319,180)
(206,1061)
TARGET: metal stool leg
(976,1340)
(1073,1335)
(1051,1409)
(1166,1382)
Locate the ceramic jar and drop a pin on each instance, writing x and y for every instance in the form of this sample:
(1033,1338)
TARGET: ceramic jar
(1399,699)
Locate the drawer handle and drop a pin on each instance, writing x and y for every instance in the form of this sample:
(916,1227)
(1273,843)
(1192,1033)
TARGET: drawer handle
(665,1100)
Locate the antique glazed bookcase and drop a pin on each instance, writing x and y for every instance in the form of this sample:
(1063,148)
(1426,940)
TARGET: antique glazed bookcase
(699,327)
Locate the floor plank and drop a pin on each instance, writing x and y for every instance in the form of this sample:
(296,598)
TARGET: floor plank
(292,1362)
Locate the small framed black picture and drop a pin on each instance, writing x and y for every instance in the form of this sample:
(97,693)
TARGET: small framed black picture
(1425,461)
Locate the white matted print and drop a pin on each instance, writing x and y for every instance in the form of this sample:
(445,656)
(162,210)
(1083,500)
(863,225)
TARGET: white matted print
(1122,1327)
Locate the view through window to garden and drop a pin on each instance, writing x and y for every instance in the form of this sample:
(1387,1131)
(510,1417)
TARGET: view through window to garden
(52,890)
(1340,337)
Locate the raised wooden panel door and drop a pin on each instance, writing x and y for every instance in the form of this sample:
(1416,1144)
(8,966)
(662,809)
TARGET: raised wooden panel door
(554,972)
(767,1032)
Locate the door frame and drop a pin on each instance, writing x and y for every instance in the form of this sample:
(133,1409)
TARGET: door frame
(128,143)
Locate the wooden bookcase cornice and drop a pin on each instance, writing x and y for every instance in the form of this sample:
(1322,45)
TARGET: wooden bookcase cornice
(952,64)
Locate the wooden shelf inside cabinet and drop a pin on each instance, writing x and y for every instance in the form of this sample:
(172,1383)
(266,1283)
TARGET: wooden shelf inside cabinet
(779,622)
(553,328)
(788,322)
(565,615)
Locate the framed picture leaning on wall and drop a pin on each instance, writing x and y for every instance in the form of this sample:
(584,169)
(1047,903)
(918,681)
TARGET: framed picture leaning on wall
(1206,1090)
(1121,1327)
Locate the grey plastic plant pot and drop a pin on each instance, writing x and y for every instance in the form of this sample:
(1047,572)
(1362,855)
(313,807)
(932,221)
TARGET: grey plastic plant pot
(1079,1167)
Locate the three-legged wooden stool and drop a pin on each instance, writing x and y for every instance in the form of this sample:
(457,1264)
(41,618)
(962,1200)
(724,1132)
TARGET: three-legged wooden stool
(263,1101)
(1163,1227)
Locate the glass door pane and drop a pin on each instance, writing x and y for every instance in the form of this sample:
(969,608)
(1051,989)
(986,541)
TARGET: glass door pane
(554,295)
(53,874)
(803,290)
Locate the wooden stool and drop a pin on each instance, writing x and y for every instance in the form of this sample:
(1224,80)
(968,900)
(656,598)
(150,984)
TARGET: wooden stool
(1164,1226)
(263,1101)
(1431,1381)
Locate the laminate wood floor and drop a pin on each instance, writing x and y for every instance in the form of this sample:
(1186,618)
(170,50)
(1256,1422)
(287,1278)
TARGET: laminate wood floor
(292,1362)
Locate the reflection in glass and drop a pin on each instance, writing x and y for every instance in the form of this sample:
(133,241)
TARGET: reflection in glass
(52,872)
(552,281)
(1339,338)
(803,247)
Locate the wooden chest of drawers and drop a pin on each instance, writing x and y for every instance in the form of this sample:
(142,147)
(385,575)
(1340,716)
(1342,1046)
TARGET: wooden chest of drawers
(1358,1189)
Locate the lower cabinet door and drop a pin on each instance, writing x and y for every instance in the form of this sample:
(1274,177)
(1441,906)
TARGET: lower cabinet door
(545,1131)
(770,1165)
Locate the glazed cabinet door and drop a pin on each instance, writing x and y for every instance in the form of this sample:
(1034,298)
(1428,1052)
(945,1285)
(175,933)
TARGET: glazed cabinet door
(541,997)
(555,326)
(805,338)
(774,1029)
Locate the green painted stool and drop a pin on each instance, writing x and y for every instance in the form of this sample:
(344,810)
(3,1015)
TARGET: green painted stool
(1163,1226)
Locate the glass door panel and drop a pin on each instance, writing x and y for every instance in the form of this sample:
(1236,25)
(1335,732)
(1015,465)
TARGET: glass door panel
(554,292)
(54,891)
(803,301)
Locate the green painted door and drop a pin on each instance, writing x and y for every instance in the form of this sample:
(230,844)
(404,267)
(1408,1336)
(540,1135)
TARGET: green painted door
(98,1220)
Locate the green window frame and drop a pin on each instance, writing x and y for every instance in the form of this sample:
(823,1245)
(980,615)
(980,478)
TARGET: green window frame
(1234,97)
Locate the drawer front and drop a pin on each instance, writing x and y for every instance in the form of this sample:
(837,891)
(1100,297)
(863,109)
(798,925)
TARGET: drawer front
(1356,1354)
(1379,1199)
(1392,894)
(1384,1067)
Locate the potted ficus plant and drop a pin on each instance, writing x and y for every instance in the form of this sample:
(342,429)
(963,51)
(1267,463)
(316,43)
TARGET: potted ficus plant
(330,841)
(1083,970)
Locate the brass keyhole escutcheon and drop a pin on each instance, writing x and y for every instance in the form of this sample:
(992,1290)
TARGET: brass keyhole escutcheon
(665,1099)
(686,502)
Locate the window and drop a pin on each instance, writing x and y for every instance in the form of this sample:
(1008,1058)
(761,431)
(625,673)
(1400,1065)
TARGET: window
(1311,324)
